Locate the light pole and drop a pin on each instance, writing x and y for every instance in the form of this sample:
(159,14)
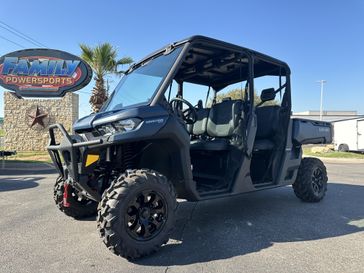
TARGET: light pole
(321,82)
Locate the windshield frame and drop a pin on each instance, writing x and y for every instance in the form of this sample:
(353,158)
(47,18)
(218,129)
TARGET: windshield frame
(161,86)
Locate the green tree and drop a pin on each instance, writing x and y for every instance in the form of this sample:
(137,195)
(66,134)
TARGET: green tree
(103,61)
(236,94)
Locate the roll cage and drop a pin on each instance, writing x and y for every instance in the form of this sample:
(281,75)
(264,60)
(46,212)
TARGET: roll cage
(228,64)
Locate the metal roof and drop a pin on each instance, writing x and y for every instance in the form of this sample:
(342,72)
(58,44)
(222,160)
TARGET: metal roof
(226,61)
(218,64)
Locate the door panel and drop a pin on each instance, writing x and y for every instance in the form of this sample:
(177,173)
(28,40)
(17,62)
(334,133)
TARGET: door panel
(360,134)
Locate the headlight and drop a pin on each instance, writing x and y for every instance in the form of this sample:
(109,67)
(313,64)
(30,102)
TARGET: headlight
(106,130)
(125,125)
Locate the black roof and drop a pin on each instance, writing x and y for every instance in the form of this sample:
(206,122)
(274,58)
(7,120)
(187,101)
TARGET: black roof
(235,47)
(217,63)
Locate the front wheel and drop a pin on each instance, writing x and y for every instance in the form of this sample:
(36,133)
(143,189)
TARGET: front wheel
(311,181)
(75,206)
(136,214)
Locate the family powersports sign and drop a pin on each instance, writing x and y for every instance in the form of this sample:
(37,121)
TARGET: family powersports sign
(43,72)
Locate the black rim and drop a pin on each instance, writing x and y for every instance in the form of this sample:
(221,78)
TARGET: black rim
(317,181)
(146,215)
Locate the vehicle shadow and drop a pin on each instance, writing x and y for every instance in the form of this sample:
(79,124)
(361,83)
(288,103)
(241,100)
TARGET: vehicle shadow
(224,228)
(88,219)
(18,183)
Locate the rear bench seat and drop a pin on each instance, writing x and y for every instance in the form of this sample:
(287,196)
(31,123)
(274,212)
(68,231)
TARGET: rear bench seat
(267,125)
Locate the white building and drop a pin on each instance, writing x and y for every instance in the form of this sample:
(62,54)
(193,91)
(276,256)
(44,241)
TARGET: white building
(327,115)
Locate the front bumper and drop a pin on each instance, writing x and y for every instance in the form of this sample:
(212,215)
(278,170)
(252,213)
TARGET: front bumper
(69,157)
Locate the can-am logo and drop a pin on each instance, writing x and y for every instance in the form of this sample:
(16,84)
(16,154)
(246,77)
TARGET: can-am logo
(43,72)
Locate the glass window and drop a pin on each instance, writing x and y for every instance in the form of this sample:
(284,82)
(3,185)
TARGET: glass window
(141,84)
(191,92)
(234,91)
(195,92)
(266,82)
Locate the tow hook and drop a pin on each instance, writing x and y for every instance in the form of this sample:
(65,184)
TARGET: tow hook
(65,196)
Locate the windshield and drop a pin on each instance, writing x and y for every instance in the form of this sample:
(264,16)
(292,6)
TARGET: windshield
(140,85)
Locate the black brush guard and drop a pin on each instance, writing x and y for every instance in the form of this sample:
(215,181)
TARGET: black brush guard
(66,157)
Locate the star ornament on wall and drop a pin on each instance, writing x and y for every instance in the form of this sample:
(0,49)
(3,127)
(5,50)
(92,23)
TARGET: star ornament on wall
(37,117)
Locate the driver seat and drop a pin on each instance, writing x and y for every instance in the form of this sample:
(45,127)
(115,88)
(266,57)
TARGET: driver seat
(223,119)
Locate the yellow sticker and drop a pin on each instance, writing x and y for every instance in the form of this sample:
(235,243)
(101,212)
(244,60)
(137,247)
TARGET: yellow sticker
(91,159)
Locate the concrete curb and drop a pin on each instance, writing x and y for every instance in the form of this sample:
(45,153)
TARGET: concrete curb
(339,160)
(14,168)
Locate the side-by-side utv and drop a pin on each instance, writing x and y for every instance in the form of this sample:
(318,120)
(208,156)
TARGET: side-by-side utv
(158,138)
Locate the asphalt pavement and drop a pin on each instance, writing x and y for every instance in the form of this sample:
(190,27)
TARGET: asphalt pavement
(266,231)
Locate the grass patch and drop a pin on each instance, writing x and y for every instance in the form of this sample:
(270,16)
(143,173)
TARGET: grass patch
(332,154)
(2,132)
(31,157)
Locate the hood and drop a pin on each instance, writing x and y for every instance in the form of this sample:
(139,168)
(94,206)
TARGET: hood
(144,112)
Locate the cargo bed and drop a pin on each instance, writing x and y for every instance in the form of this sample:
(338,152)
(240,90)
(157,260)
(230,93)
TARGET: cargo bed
(311,131)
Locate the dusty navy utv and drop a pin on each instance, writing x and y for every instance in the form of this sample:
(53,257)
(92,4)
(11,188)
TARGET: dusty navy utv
(197,119)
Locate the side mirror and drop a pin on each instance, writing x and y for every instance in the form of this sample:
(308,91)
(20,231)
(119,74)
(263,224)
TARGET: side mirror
(268,94)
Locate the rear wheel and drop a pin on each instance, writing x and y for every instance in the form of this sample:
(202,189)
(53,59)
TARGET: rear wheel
(75,207)
(311,181)
(343,148)
(136,213)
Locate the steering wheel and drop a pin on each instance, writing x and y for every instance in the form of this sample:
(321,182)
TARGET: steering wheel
(189,115)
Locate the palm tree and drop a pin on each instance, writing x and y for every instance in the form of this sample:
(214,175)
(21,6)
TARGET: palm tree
(103,61)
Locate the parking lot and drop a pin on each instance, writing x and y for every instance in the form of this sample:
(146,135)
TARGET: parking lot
(267,231)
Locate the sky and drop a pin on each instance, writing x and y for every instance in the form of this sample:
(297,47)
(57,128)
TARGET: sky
(318,39)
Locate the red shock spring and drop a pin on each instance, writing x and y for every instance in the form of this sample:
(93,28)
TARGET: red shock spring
(65,196)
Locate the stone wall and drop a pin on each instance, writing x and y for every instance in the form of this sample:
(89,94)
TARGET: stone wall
(26,121)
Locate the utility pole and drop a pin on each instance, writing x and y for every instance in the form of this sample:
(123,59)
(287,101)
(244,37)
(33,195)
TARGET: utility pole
(321,82)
